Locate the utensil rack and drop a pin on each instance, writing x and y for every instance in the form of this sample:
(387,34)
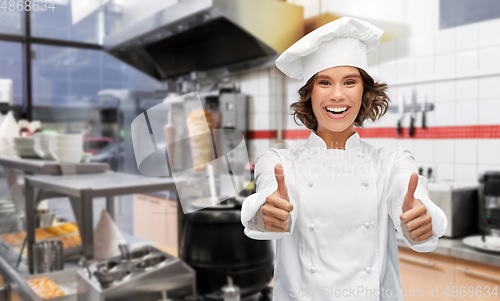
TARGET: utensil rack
(393,108)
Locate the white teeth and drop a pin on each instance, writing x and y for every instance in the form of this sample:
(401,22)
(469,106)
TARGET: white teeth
(336,109)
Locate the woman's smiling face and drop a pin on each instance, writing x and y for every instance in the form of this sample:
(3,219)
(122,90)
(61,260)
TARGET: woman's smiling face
(336,98)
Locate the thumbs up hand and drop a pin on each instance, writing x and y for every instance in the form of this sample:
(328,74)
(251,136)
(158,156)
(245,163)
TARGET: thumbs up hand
(276,210)
(415,217)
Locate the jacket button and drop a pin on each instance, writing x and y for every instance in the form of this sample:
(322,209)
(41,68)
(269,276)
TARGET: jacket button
(311,184)
(367,224)
(312,226)
(313,269)
(308,156)
(364,183)
(368,269)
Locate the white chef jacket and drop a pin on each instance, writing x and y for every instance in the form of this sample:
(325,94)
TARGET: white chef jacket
(347,203)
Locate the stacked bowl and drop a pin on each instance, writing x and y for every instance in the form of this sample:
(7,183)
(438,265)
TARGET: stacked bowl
(25,147)
(67,148)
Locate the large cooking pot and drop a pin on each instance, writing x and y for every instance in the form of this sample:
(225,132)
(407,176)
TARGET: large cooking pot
(214,244)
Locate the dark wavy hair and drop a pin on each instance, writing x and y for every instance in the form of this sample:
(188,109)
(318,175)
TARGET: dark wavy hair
(374,105)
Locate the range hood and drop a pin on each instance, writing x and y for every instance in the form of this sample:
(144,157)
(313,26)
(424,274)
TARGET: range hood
(204,35)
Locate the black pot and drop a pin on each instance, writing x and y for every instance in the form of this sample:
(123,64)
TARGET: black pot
(215,246)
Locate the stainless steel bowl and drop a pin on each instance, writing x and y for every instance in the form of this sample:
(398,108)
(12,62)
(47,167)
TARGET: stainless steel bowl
(151,261)
(106,277)
(119,274)
(107,265)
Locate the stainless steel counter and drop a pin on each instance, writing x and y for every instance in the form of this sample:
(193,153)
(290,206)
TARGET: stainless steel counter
(455,248)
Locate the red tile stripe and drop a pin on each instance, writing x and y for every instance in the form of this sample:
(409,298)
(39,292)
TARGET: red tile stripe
(438,132)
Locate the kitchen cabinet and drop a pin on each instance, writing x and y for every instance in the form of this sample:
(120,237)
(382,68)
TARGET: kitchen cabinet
(155,219)
(428,276)
(474,280)
(424,276)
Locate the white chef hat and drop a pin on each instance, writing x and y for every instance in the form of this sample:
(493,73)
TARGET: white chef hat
(343,42)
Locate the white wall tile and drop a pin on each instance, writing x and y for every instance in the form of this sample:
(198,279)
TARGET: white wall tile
(259,121)
(392,92)
(489,59)
(374,71)
(445,171)
(263,104)
(291,125)
(387,142)
(407,91)
(406,143)
(444,65)
(388,72)
(405,47)
(387,51)
(466,172)
(488,111)
(292,88)
(489,87)
(264,82)
(372,141)
(424,67)
(490,167)
(467,37)
(423,90)
(260,146)
(424,150)
(467,112)
(444,41)
(467,89)
(444,151)
(388,120)
(467,62)
(444,114)
(488,33)
(465,151)
(444,91)
(405,70)
(424,44)
(369,124)
(374,57)
(488,151)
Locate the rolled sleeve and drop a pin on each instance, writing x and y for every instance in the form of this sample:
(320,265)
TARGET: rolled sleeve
(251,211)
(399,175)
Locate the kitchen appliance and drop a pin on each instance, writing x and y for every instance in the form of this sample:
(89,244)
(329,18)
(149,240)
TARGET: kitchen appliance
(146,274)
(489,203)
(215,246)
(459,203)
(201,35)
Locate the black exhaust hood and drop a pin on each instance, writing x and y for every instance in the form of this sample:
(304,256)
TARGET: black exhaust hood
(202,35)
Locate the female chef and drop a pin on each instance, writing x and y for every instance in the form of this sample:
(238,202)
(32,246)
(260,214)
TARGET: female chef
(333,204)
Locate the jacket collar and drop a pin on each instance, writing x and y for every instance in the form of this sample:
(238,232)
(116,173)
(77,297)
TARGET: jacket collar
(316,141)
